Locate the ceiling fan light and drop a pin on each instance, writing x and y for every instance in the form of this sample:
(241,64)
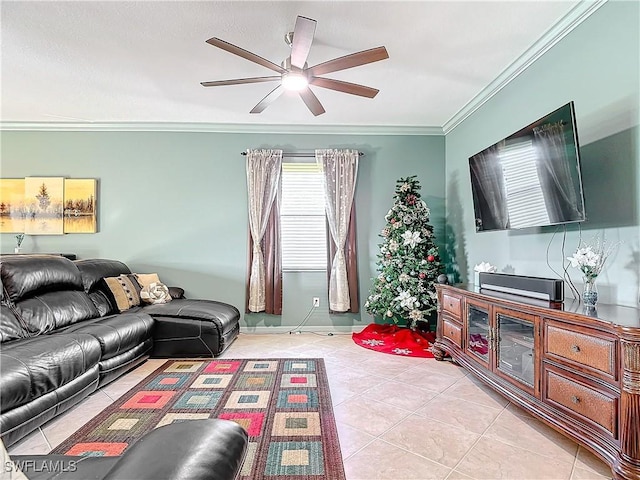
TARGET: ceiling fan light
(294,82)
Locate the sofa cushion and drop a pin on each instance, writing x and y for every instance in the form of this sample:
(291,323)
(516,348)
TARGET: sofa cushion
(10,328)
(92,272)
(54,310)
(117,333)
(155,293)
(146,279)
(195,450)
(223,315)
(16,423)
(36,366)
(122,291)
(95,269)
(24,276)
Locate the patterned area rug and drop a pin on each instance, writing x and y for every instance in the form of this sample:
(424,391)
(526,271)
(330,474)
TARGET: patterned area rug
(284,405)
(395,340)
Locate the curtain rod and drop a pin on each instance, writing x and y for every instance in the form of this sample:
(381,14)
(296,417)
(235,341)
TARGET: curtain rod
(301,154)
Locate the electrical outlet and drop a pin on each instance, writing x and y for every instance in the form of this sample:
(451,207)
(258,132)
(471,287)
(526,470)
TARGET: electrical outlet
(316,302)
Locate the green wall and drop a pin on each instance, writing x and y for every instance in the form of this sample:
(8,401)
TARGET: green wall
(597,66)
(175,203)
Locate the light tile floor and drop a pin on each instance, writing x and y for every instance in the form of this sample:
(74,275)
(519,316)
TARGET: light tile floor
(398,418)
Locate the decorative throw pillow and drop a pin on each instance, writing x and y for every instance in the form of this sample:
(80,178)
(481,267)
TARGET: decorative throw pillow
(155,292)
(123,291)
(145,279)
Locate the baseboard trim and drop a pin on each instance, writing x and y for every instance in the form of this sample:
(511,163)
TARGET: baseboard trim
(306,329)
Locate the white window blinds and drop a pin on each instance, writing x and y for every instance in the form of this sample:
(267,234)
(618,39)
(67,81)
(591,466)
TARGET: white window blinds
(525,198)
(302,218)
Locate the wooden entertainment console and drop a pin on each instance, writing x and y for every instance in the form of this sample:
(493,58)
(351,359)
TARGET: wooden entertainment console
(576,370)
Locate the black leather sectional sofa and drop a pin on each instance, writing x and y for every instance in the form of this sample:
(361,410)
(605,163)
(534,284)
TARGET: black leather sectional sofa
(62,337)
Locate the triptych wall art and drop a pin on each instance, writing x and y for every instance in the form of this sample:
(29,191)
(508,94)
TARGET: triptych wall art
(48,205)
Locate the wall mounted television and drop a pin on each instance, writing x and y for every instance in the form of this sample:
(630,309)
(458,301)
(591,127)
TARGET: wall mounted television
(530,178)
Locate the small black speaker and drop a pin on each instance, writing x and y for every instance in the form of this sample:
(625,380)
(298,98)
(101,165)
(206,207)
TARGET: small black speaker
(550,289)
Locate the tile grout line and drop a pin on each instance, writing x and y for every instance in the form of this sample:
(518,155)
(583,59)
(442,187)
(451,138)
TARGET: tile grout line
(45,439)
(379,436)
(417,455)
(480,437)
(575,456)
(575,460)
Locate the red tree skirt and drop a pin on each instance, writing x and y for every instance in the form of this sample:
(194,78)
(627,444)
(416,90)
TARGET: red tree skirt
(395,340)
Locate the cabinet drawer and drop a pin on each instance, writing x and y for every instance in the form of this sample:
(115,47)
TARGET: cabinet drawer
(595,405)
(592,351)
(452,331)
(451,304)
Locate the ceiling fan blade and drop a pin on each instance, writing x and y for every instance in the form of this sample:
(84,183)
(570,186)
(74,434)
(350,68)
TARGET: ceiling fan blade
(303,34)
(239,81)
(266,101)
(241,52)
(311,101)
(349,61)
(345,87)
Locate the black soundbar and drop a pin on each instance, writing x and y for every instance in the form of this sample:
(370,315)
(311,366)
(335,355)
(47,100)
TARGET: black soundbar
(550,289)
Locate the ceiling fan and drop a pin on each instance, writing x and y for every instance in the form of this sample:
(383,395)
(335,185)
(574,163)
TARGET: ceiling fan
(295,74)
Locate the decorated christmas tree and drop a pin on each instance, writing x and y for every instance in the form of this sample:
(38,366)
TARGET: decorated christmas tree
(408,263)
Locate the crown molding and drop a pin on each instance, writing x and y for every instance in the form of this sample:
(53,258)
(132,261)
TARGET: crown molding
(219,128)
(557,32)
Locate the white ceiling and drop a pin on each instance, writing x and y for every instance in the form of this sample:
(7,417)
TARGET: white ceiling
(108,61)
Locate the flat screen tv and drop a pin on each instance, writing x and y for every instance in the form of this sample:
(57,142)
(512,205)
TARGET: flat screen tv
(531,178)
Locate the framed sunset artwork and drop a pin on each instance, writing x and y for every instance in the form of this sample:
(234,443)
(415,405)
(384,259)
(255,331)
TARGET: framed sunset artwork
(80,205)
(12,209)
(43,197)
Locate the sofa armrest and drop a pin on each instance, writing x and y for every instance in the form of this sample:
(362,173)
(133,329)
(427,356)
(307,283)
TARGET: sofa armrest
(192,450)
(176,292)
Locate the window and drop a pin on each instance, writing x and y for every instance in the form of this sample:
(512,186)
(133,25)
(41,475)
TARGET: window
(302,218)
(525,198)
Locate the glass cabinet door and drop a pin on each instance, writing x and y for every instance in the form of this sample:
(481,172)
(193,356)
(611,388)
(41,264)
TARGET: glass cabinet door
(478,331)
(516,348)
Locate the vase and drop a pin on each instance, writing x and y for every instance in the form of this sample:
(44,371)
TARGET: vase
(17,250)
(590,292)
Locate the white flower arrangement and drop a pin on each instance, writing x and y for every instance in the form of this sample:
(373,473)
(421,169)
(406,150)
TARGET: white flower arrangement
(485,267)
(590,259)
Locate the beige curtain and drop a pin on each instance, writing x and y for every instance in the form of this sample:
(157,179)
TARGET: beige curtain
(340,168)
(272,251)
(351,259)
(263,177)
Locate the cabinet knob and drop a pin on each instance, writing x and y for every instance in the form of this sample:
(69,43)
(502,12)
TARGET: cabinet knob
(575,348)
(575,399)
